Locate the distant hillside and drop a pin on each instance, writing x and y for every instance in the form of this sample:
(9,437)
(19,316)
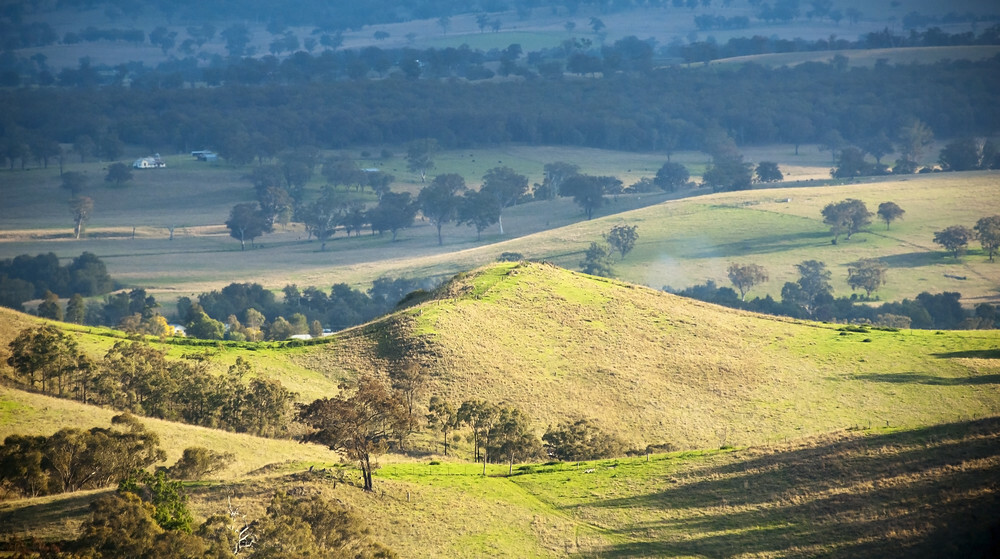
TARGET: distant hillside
(659,368)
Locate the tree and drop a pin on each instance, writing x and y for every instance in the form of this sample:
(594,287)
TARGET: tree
(420,156)
(81,209)
(118,173)
(889,212)
(246,222)
(479,415)
(581,440)
(672,177)
(479,210)
(442,416)
(623,238)
(867,274)
(961,155)
(597,261)
(745,276)
(49,307)
(555,174)
(361,425)
(913,138)
(988,232)
(812,289)
(729,172)
(505,187)
(74,182)
(852,163)
(847,216)
(440,200)
(768,171)
(322,216)
(394,211)
(76,309)
(39,355)
(955,238)
(510,438)
(587,191)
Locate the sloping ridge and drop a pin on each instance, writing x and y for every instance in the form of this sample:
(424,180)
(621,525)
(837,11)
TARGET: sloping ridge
(654,367)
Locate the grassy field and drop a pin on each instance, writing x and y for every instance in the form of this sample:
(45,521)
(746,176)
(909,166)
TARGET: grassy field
(682,242)
(869,57)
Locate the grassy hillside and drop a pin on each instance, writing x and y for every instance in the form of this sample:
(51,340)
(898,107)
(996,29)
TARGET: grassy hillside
(659,368)
(846,443)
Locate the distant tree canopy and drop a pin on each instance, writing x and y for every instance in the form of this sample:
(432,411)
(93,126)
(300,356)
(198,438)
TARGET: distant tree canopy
(669,109)
(846,217)
(28,277)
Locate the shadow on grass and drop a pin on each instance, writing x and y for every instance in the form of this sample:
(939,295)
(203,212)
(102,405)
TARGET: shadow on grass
(931,492)
(924,378)
(765,245)
(973,353)
(54,513)
(912,259)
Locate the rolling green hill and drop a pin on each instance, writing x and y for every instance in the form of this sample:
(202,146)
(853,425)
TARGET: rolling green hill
(846,442)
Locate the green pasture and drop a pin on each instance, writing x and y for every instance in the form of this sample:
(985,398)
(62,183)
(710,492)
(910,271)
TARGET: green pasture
(868,57)
(682,241)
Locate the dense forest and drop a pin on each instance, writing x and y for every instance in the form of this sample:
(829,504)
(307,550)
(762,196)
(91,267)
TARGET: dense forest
(669,109)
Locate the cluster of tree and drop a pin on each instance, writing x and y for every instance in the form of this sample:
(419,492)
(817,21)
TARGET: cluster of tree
(669,109)
(811,297)
(73,459)
(956,238)
(705,51)
(135,377)
(248,312)
(964,154)
(148,516)
(92,34)
(25,277)
(599,258)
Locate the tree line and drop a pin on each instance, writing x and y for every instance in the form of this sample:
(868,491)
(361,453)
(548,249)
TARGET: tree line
(27,277)
(135,377)
(670,109)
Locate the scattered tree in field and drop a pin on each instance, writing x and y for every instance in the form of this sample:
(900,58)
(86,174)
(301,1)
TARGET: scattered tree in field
(197,462)
(479,415)
(442,416)
(118,173)
(623,238)
(598,261)
(555,174)
(587,191)
(852,163)
(511,439)
(440,200)
(420,156)
(45,355)
(76,309)
(955,239)
(506,187)
(745,276)
(581,440)
(246,222)
(74,182)
(672,177)
(81,208)
(868,274)
(889,212)
(479,210)
(395,211)
(360,425)
(322,216)
(729,172)
(988,232)
(812,289)
(847,216)
(965,154)
(49,307)
(768,171)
